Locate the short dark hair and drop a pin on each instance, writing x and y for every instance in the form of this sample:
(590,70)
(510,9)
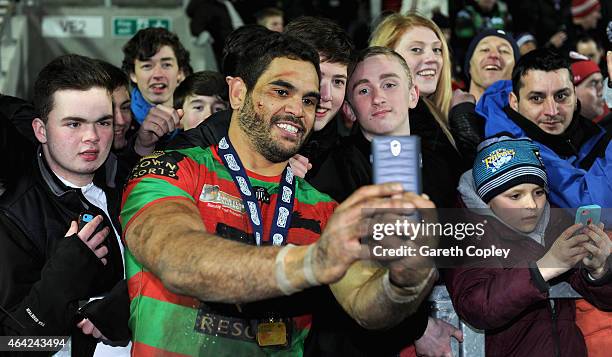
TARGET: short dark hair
(263,50)
(378,51)
(541,59)
(209,83)
(236,44)
(584,38)
(267,12)
(147,42)
(68,72)
(324,35)
(118,78)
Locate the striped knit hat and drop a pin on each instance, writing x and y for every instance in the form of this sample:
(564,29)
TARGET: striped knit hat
(504,162)
(582,8)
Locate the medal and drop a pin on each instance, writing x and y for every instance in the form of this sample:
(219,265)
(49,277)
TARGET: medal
(272,332)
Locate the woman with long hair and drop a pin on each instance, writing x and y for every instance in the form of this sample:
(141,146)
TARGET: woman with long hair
(423,45)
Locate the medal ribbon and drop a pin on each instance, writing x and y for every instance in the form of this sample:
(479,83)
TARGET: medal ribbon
(284,200)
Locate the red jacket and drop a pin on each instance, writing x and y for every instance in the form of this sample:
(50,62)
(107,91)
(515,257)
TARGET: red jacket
(512,305)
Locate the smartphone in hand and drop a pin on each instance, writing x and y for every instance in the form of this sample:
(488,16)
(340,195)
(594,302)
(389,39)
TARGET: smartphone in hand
(84,218)
(588,215)
(398,159)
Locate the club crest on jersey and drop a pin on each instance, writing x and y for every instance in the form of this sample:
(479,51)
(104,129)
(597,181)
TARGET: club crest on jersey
(498,158)
(253,212)
(231,162)
(244,187)
(283,213)
(261,194)
(289,176)
(286,194)
(223,144)
(277,239)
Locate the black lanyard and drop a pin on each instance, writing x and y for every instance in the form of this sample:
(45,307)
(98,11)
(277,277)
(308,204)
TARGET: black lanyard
(284,199)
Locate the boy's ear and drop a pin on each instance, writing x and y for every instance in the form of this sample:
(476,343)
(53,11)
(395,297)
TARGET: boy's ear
(40,130)
(413,96)
(347,111)
(181,76)
(237,92)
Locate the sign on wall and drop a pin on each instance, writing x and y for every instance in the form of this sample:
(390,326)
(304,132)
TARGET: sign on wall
(127,26)
(73,26)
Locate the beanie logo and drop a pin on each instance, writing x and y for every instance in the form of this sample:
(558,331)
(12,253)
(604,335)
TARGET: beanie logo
(498,158)
(536,152)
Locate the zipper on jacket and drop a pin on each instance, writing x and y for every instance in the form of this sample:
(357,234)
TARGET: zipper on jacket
(571,145)
(555,332)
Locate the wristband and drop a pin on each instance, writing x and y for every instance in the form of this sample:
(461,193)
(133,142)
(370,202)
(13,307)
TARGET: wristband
(408,294)
(279,271)
(309,275)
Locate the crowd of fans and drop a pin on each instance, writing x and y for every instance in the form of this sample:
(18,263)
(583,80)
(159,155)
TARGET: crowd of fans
(228,207)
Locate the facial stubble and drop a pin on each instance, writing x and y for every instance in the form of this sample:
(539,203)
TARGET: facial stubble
(259,132)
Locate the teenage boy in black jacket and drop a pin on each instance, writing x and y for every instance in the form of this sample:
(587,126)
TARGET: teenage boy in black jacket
(47,264)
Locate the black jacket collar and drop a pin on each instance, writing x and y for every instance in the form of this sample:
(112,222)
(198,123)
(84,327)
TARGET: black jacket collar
(361,143)
(566,144)
(323,140)
(56,186)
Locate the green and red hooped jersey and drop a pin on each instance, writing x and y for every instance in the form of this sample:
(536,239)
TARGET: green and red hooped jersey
(167,324)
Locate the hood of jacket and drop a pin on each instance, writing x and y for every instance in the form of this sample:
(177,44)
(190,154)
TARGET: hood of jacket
(491,106)
(469,196)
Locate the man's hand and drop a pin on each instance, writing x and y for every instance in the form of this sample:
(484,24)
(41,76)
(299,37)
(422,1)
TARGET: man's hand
(599,247)
(299,165)
(160,121)
(339,245)
(437,339)
(93,243)
(460,97)
(564,254)
(558,39)
(88,328)
(410,270)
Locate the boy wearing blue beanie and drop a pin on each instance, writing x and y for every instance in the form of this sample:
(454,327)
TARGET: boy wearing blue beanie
(509,297)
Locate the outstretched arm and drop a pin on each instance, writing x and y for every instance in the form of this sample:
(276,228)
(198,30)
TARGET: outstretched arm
(170,239)
(363,295)
(381,297)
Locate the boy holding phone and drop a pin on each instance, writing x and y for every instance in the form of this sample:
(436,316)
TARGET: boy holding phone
(509,298)
(379,96)
(48,264)
(380,93)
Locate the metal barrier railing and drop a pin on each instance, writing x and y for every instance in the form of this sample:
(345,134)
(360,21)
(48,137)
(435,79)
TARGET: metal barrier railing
(473,340)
